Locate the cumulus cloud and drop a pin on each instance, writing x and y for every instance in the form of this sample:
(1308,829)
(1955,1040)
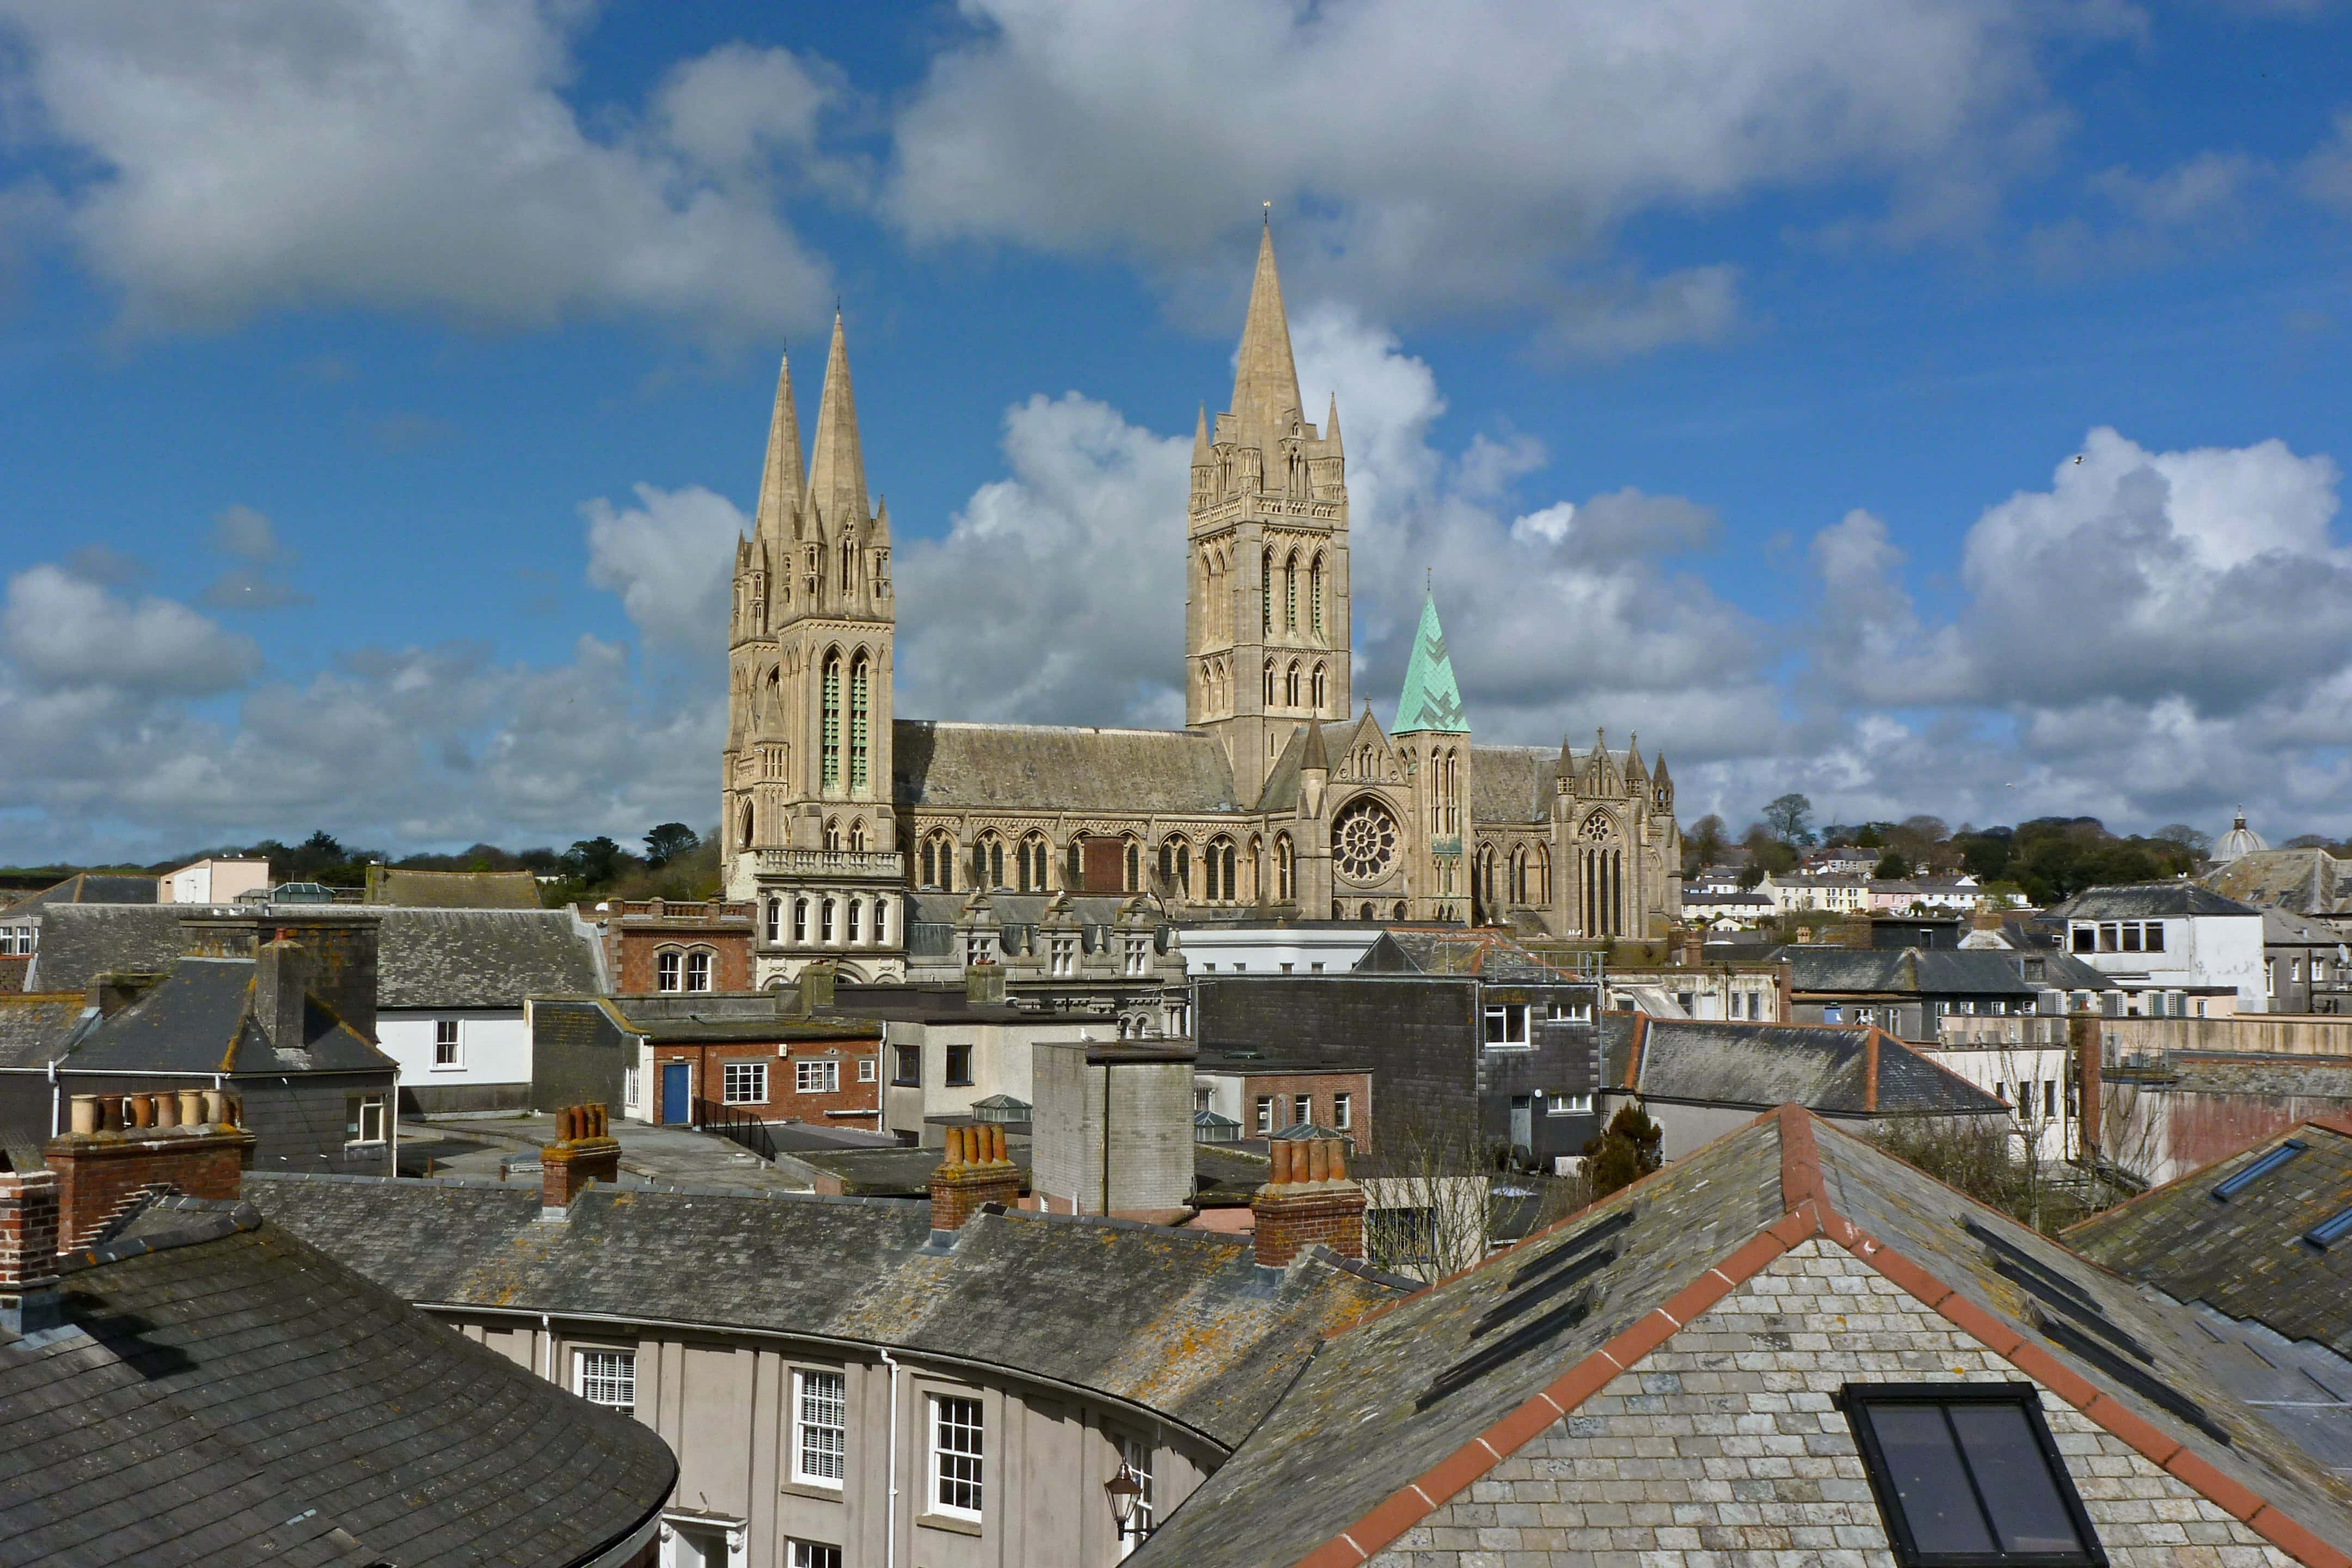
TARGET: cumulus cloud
(230,158)
(2326,173)
(64,633)
(247,535)
(1057,596)
(1483,158)
(671,558)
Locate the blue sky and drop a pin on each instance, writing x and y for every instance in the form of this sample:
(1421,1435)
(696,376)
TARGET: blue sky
(382,382)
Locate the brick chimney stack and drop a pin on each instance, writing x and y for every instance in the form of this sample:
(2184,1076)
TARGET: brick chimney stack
(585,1150)
(125,1146)
(1310,1201)
(976,1171)
(28,1251)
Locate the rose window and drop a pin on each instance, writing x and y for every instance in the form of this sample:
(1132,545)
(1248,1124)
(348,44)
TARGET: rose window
(1597,828)
(1364,841)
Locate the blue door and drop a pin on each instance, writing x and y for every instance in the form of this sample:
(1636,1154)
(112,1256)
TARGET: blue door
(676,1107)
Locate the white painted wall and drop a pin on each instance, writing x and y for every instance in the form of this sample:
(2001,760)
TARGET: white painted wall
(493,1046)
(212,881)
(1273,950)
(2198,950)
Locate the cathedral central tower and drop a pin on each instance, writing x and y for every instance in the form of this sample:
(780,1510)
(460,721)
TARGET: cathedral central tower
(1265,600)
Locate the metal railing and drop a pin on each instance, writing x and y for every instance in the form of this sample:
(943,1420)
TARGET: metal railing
(736,1125)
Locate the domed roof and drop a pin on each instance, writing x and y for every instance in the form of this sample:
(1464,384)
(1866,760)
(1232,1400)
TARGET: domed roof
(2240,840)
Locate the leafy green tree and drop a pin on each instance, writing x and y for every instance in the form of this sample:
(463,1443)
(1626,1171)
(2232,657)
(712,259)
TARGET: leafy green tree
(593,861)
(1628,1149)
(1892,868)
(1791,818)
(667,842)
(1703,845)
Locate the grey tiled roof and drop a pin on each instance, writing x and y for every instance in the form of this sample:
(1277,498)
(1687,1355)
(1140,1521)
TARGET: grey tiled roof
(1935,971)
(1370,1416)
(425,958)
(200,1019)
(2309,881)
(2243,1258)
(1181,1324)
(1486,953)
(2139,900)
(1042,767)
(87,888)
(225,1395)
(1512,783)
(34,1027)
(1837,1072)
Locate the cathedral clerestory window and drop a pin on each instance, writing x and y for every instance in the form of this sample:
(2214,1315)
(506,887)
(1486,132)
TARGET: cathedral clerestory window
(830,709)
(858,747)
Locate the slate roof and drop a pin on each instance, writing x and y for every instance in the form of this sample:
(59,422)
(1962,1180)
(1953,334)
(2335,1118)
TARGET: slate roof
(1512,783)
(2139,900)
(1829,1069)
(200,1019)
(425,958)
(1934,972)
(1394,1416)
(33,1028)
(896,1171)
(2283,929)
(2243,1258)
(2308,882)
(1181,1324)
(88,888)
(222,1393)
(1047,767)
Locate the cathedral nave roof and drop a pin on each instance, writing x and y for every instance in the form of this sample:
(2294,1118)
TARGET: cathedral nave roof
(1051,767)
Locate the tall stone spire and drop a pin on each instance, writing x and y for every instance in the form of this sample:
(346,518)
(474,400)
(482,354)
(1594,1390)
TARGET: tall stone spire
(780,480)
(837,482)
(1331,424)
(1431,699)
(1266,379)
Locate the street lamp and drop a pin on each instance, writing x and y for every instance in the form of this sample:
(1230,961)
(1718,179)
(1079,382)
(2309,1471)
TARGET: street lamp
(1125,1491)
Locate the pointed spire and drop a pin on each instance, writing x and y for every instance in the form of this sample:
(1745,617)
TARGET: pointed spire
(1331,424)
(837,482)
(1266,378)
(1312,759)
(779,479)
(1633,759)
(1200,456)
(1658,775)
(1431,700)
(881,533)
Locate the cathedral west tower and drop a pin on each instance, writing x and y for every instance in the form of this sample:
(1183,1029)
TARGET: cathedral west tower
(1265,603)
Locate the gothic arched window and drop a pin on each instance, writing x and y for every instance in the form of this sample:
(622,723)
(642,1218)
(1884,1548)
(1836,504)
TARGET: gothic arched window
(855,911)
(1033,856)
(1285,869)
(1176,866)
(1132,867)
(825,922)
(857,834)
(743,831)
(800,921)
(1314,596)
(833,833)
(938,859)
(1317,688)
(1290,686)
(1290,594)
(775,920)
(1269,683)
(829,739)
(858,724)
(1217,872)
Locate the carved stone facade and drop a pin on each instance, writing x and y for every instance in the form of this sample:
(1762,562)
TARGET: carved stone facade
(1277,799)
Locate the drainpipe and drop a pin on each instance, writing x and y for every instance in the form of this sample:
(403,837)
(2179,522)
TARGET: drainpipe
(56,1100)
(890,1501)
(1106,1140)
(546,1348)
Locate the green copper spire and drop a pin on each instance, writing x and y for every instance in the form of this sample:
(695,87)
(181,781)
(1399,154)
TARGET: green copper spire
(1431,699)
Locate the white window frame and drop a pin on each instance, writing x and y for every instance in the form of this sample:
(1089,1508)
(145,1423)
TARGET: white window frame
(1568,1105)
(814,1554)
(449,1045)
(669,970)
(1135,1453)
(1065,953)
(1498,1033)
(957,1473)
(1138,956)
(373,1120)
(1264,1115)
(820,1393)
(756,1071)
(869,1070)
(816,1075)
(611,1384)
(1343,1112)
(698,970)
(631,1085)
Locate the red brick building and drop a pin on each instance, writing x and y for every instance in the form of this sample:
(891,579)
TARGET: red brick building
(662,946)
(690,1070)
(1266,1096)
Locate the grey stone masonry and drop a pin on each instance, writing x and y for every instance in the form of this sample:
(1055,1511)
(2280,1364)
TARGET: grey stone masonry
(1722,1449)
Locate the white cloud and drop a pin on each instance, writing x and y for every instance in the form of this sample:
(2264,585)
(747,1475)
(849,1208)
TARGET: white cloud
(1481,156)
(671,558)
(64,633)
(2326,173)
(419,155)
(246,533)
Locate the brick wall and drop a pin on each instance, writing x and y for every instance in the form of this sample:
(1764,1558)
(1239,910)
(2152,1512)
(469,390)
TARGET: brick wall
(785,1102)
(1724,1440)
(631,944)
(99,1173)
(1318,1088)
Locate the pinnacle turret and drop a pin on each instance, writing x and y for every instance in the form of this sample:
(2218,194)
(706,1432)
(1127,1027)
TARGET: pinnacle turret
(1201,457)
(837,478)
(780,478)
(1331,425)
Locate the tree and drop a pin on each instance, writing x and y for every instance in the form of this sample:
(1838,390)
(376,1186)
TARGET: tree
(1703,845)
(1429,1184)
(668,841)
(593,861)
(2195,840)
(1791,817)
(1892,868)
(1628,1151)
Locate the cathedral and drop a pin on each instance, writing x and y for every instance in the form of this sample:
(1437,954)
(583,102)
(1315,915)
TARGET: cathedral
(862,837)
